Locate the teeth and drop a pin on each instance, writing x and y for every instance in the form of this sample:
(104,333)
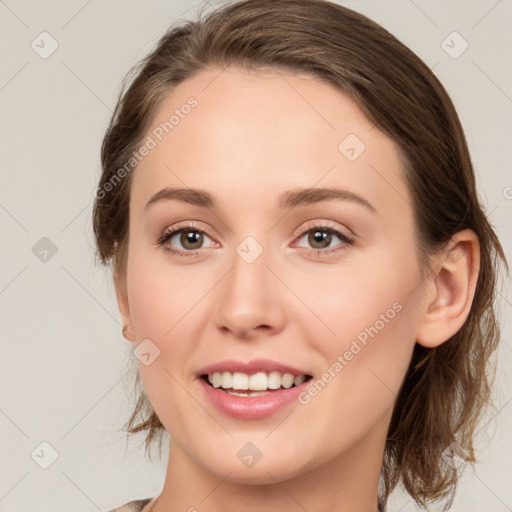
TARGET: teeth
(260,381)
(287,380)
(245,393)
(299,380)
(217,380)
(274,380)
(227,380)
(240,380)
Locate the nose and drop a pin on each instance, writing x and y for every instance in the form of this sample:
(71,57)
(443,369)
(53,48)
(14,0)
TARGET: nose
(250,302)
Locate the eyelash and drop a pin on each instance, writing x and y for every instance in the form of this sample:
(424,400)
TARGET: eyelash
(168,234)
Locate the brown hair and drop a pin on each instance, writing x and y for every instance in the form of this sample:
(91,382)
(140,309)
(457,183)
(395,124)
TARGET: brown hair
(445,389)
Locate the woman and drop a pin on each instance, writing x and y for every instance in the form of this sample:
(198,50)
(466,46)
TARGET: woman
(301,261)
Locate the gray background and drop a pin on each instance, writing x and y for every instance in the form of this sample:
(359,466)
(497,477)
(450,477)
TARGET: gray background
(63,362)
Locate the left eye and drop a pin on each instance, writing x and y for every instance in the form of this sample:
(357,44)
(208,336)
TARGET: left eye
(320,238)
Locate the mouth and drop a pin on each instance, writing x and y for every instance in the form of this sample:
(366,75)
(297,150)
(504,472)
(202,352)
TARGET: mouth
(252,385)
(254,389)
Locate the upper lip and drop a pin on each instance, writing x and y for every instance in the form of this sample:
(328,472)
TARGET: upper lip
(250,367)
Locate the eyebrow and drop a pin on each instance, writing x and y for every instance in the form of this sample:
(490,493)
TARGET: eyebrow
(306,196)
(287,200)
(191,196)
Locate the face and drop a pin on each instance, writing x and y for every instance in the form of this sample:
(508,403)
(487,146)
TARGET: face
(261,278)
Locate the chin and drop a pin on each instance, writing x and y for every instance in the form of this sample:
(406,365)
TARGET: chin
(260,463)
(261,474)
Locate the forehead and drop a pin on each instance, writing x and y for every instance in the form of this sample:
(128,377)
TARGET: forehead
(232,130)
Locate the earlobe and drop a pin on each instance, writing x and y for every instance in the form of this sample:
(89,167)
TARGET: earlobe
(453,286)
(124,307)
(128,333)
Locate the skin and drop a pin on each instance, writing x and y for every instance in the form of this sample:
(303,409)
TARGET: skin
(253,136)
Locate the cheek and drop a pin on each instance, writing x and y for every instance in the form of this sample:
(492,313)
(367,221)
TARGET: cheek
(362,299)
(368,322)
(162,297)
(162,306)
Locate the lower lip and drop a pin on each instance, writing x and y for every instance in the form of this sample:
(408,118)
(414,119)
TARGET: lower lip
(251,407)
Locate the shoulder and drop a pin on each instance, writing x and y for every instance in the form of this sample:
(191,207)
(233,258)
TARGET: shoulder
(132,506)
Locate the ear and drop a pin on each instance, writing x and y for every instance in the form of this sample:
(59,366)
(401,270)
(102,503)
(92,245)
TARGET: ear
(123,305)
(451,290)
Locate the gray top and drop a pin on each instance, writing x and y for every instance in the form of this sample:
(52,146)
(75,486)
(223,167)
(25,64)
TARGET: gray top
(133,506)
